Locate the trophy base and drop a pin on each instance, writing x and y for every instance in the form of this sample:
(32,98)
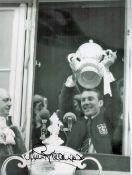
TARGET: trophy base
(53,140)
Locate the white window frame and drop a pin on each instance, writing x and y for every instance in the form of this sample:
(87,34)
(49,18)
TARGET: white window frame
(128,81)
(17,58)
(22,62)
(18,44)
(29,68)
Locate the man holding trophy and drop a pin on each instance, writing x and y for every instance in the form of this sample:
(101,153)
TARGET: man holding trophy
(90,64)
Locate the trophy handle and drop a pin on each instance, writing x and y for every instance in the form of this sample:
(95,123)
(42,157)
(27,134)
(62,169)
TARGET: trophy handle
(70,57)
(21,164)
(110,54)
(108,51)
(109,58)
(83,165)
(73,61)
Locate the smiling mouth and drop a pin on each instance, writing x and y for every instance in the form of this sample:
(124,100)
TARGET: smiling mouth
(87,107)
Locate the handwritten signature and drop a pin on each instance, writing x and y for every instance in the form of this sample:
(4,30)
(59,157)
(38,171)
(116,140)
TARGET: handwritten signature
(52,156)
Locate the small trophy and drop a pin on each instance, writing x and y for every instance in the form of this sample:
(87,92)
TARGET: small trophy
(54,129)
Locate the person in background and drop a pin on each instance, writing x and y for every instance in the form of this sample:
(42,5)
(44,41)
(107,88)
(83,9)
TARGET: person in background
(118,132)
(40,112)
(11,141)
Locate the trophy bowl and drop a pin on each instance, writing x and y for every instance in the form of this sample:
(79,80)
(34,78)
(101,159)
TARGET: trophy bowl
(89,77)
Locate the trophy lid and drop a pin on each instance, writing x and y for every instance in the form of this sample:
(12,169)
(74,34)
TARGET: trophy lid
(90,50)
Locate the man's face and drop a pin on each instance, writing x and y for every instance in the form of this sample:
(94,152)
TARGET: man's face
(90,103)
(5,103)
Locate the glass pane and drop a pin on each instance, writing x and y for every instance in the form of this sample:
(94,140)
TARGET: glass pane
(4,80)
(6,19)
(61,31)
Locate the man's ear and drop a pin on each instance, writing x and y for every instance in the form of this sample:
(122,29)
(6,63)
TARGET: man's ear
(101,103)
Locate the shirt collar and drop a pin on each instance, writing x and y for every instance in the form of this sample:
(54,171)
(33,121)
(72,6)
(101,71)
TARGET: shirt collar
(92,117)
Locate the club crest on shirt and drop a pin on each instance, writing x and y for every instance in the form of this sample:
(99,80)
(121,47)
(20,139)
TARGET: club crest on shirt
(102,129)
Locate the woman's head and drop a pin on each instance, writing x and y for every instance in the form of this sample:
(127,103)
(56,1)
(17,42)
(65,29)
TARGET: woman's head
(39,103)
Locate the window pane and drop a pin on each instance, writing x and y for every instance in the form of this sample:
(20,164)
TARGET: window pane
(61,31)
(4,80)
(6,20)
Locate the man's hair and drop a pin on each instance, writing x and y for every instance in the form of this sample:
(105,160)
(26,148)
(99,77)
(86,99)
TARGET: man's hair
(37,99)
(100,95)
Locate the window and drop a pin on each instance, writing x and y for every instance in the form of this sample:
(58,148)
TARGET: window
(12,43)
(62,28)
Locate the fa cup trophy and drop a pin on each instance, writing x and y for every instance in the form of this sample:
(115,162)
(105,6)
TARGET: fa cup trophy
(90,63)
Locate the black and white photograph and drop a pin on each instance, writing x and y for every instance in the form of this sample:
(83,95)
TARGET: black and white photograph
(65,87)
